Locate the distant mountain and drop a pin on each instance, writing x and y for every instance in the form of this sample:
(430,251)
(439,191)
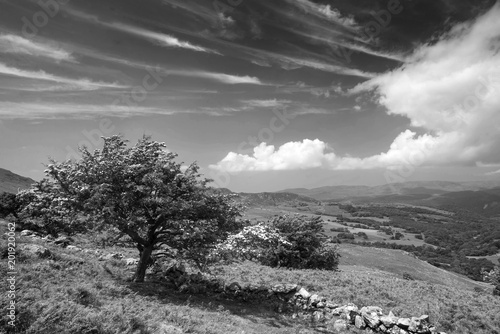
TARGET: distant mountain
(11,183)
(419,189)
(270,199)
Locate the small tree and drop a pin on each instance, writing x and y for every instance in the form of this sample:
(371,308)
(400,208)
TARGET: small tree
(9,205)
(140,191)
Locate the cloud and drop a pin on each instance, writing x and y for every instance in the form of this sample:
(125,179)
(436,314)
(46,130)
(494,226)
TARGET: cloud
(220,77)
(292,155)
(18,45)
(449,89)
(324,11)
(46,110)
(160,38)
(72,84)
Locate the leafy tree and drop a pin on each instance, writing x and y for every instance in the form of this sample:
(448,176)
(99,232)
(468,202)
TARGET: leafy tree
(308,244)
(140,191)
(9,205)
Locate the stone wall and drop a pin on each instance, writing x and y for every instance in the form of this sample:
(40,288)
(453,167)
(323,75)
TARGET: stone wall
(302,304)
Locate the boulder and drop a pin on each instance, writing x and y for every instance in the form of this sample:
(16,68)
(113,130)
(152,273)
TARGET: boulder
(359,322)
(37,250)
(371,315)
(303,293)
(27,233)
(340,326)
(284,288)
(131,261)
(314,300)
(73,248)
(419,324)
(63,241)
(389,320)
(235,286)
(403,323)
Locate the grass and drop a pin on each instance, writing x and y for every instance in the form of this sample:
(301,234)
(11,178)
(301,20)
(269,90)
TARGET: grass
(73,292)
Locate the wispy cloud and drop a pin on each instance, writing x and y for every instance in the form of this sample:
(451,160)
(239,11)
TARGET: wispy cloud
(324,11)
(219,77)
(161,39)
(27,110)
(19,45)
(77,84)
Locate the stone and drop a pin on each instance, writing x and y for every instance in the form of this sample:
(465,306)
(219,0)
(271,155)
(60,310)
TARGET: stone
(26,233)
(359,322)
(303,293)
(419,324)
(284,288)
(403,323)
(37,250)
(63,241)
(235,286)
(371,315)
(73,248)
(318,315)
(331,305)
(131,262)
(321,305)
(340,325)
(389,320)
(314,299)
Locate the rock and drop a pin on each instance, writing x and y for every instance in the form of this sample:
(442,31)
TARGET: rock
(321,305)
(131,262)
(371,315)
(63,241)
(37,250)
(303,293)
(48,238)
(403,323)
(318,315)
(314,300)
(73,248)
(331,305)
(27,233)
(419,325)
(235,286)
(389,320)
(284,288)
(340,325)
(359,322)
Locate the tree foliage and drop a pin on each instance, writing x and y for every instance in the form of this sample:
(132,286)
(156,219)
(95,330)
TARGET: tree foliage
(286,241)
(9,205)
(140,191)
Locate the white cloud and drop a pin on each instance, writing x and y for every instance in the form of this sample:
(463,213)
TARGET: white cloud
(160,38)
(450,89)
(220,77)
(271,103)
(45,110)
(76,84)
(18,45)
(324,11)
(292,155)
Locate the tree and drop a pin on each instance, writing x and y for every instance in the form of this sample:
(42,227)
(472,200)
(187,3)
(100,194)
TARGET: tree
(9,205)
(140,191)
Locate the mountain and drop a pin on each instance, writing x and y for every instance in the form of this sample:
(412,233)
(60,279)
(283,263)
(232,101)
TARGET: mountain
(273,199)
(11,182)
(419,189)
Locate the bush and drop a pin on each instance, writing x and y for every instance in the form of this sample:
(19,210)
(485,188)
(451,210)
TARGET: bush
(291,242)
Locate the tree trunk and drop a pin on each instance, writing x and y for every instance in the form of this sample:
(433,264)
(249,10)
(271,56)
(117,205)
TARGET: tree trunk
(143,264)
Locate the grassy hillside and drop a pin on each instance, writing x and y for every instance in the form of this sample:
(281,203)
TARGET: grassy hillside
(11,183)
(74,292)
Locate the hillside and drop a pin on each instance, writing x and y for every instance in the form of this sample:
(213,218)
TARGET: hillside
(11,182)
(273,199)
(74,290)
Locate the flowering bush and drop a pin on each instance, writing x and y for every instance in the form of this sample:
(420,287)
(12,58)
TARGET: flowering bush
(286,241)
(252,243)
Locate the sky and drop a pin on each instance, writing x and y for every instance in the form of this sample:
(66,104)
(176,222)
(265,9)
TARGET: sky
(263,95)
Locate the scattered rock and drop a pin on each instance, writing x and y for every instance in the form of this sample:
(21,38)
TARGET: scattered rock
(403,323)
(37,250)
(235,286)
(63,241)
(359,322)
(73,248)
(284,288)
